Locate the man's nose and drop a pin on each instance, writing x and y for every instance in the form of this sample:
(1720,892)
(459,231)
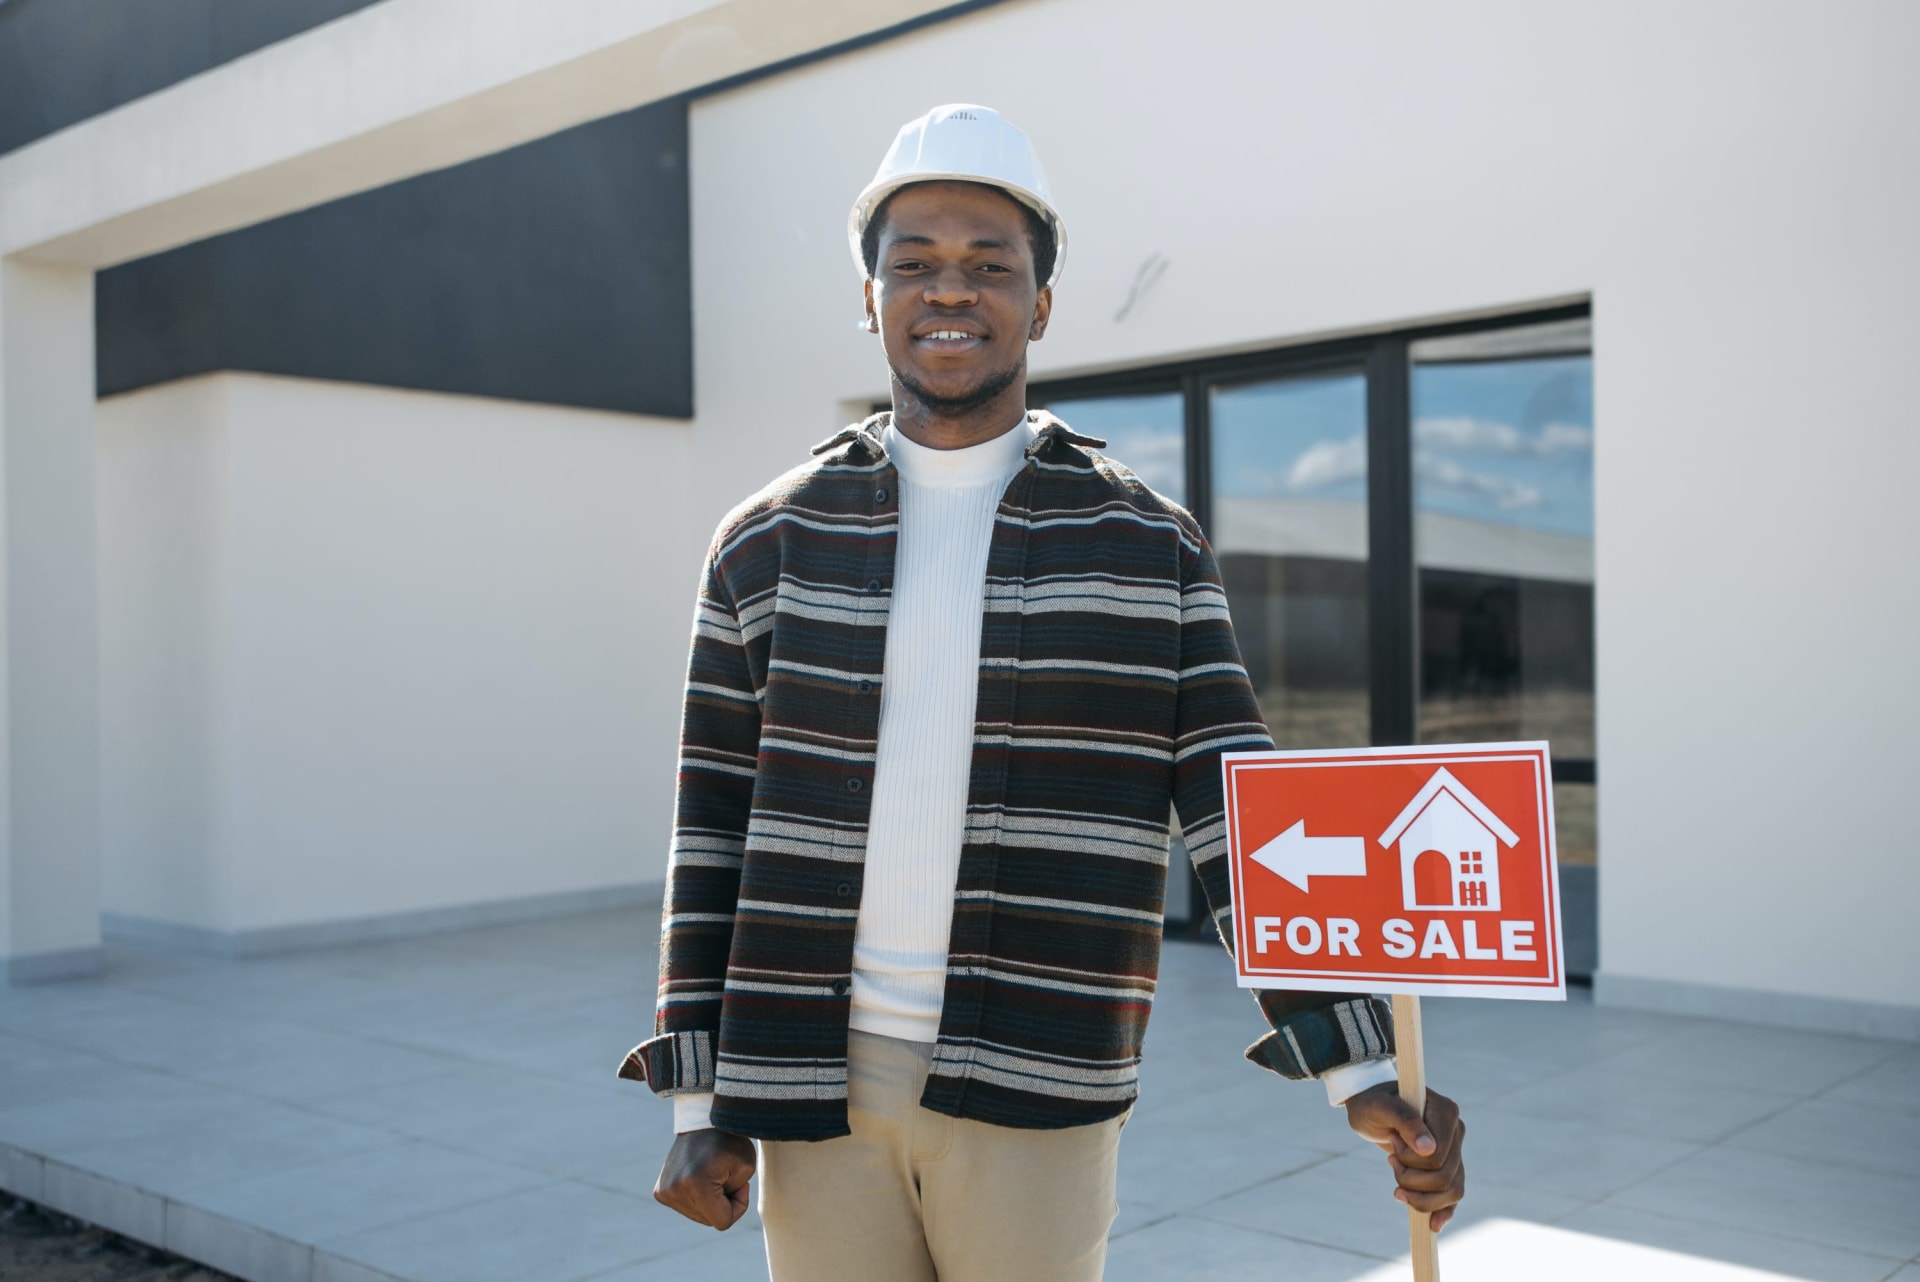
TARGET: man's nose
(951,287)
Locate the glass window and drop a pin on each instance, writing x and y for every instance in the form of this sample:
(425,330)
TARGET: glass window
(1147,433)
(1290,530)
(1503,541)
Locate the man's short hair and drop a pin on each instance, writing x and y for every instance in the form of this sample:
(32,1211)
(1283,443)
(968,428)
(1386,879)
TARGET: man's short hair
(1040,238)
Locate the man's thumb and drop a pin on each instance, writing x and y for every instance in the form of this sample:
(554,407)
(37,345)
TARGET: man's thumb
(1413,1130)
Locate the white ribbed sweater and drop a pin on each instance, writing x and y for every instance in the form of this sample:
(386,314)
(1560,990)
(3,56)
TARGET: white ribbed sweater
(924,757)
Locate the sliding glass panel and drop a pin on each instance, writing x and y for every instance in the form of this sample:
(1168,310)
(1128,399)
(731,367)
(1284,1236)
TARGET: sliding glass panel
(1147,433)
(1289,528)
(1503,539)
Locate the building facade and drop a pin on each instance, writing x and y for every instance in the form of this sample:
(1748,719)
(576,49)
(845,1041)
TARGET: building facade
(1536,372)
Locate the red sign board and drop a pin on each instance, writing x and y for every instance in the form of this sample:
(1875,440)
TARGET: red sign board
(1396,870)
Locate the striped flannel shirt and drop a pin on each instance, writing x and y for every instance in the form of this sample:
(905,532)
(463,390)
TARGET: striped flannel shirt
(1110,683)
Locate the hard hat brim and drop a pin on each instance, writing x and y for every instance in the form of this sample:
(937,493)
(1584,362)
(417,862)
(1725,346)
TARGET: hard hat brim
(877,192)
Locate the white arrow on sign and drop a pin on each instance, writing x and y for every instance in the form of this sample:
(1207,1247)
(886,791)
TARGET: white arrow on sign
(1296,856)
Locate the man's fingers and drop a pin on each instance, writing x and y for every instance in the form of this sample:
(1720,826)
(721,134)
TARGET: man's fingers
(1423,1180)
(739,1199)
(1383,1117)
(1427,1201)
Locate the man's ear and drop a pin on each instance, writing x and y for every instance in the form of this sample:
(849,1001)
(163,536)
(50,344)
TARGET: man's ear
(1042,310)
(873,314)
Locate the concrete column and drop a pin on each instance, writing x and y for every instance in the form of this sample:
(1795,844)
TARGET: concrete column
(49,758)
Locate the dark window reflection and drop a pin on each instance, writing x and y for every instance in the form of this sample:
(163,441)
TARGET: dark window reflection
(1290,532)
(1503,538)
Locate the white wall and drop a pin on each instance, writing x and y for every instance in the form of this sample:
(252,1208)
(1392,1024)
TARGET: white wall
(368,651)
(49,802)
(1734,185)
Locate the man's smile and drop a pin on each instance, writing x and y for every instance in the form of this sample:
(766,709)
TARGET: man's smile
(948,337)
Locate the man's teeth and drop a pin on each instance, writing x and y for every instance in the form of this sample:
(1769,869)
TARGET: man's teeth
(949,333)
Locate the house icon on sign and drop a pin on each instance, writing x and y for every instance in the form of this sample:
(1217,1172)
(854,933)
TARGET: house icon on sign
(1449,848)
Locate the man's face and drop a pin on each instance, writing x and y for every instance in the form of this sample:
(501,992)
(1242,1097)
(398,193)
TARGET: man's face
(953,293)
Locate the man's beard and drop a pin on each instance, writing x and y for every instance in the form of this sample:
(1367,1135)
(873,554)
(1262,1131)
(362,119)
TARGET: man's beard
(948,406)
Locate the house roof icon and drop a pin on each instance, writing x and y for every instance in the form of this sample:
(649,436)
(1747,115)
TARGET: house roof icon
(1444,782)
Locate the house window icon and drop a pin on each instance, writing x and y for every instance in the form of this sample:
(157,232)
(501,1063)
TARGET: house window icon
(1449,848)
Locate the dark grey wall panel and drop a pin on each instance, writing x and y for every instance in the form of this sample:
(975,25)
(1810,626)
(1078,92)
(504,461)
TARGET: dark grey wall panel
(558,272)
(62,61)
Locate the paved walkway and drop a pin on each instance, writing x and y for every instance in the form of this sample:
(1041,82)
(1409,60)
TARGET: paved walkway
(445,1108)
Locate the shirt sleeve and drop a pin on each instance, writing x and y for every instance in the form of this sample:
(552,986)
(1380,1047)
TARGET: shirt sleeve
(1342,1083)
(719,748)
(693,1111)
(1217,712)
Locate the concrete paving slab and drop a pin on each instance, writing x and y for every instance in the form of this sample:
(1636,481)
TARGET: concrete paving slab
(1747,1055)
(559,1232)
(1868,1137)
(1166,1167)
(1810,1261)
(1503,1250)
(1856,1210)
(733,1256)
(247,1138)
(1702,1112)
(552,1126)
(128,1106)
(363,1191)
(1197,1250)
(1894,1083)
(1348,1205)
(1571,1158)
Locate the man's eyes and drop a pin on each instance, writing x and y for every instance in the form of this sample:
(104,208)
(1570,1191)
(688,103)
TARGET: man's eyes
(915,265)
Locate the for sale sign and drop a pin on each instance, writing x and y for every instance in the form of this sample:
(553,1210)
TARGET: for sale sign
(1396,870)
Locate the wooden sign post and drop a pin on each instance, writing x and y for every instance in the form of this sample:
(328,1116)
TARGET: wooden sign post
(1410,1055)
(1410,871)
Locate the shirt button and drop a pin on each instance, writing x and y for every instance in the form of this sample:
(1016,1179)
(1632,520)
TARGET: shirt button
(865,686)
(873,585)
(855,785)
(839,988)
(844,889)
(879,496)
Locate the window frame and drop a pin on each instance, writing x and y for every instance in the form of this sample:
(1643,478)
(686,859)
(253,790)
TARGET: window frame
(1384,359)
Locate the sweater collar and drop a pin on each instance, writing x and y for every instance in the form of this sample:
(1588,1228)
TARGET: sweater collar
(1047,430)
(988,463)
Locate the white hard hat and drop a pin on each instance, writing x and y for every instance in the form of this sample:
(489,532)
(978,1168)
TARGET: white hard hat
(960,143)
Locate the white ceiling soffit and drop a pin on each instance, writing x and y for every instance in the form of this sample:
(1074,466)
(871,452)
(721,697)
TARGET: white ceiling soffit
(399,88)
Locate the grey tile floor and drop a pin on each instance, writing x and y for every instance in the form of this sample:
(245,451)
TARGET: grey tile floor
(445,1108)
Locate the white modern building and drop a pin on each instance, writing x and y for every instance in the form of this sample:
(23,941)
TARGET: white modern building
(372,375)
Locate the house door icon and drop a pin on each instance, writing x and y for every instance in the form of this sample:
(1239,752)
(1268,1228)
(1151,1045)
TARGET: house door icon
(1449,848)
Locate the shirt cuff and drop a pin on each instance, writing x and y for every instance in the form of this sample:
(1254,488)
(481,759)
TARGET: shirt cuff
(1348,1080)
(692,1111)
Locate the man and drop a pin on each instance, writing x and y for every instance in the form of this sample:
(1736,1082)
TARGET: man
(946,681)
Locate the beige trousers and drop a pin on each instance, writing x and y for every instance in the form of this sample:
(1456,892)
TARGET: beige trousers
(917,1196)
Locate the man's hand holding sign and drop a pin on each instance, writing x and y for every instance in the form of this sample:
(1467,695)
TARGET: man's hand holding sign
(1410,871)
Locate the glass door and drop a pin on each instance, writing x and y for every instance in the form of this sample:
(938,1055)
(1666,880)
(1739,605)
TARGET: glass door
(1289,528)
(1503,543)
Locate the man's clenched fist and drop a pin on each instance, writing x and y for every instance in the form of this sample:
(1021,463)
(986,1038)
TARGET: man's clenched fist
(1423,1152)
(705,1177)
